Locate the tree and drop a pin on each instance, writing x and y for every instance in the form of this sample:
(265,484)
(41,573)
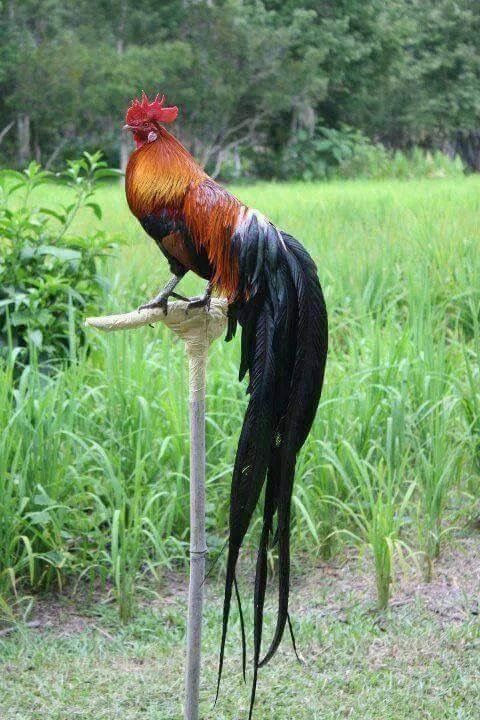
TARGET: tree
(248,75)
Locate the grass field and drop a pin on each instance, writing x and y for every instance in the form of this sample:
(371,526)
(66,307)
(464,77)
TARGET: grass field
(419,660)
(94,474)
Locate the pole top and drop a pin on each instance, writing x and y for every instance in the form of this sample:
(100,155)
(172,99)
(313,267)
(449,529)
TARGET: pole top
(198,327)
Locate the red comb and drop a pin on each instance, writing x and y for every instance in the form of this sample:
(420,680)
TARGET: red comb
(143,109)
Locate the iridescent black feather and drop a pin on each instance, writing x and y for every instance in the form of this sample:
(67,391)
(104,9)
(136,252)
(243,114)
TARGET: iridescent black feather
(284,345)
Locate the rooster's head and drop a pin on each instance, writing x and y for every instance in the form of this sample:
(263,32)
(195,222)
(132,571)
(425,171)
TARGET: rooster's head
(143,118)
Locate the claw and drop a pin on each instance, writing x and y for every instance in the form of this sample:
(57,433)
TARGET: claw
(161,300)
(202,301)
(156,303)
(198,303)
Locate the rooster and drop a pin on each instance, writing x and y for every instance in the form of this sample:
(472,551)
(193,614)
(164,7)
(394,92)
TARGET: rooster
(273,293)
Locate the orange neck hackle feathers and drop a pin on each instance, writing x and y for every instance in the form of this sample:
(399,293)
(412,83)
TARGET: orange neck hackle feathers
(159,174)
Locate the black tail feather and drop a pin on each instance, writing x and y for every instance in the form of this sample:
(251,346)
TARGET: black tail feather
(292,637)
(283,512)
(259,600)
(242,631)
(284,346)
(230,578)
(252,454)
(261,583)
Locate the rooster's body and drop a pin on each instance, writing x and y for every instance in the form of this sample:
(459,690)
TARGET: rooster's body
(273,291)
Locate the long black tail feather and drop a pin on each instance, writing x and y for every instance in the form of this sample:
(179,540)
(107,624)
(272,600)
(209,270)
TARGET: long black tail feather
(242,631)
(305,389)
(284,344)
(258,602)
(252,454)
(261,583)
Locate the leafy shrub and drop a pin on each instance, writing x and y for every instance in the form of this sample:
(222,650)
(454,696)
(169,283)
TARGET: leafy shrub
(367,161)
(318,156)
(347,153)
(375,161)
(47,272)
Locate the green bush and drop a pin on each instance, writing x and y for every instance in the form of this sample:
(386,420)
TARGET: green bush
(318,156)
(368,160)
(347,153)
(376,162)
(48,274)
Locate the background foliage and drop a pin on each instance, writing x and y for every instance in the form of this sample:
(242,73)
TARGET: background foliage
(259,83)
(94,457)
(93,475)
(48,275)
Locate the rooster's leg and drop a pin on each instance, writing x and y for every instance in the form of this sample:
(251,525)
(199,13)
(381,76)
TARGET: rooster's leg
(161,299)
(203,300)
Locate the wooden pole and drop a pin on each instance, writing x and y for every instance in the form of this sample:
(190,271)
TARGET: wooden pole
(198,328)
(198,547)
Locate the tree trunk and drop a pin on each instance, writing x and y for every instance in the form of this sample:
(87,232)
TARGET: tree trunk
(237,163)
(23,137)
(218,164)
(303,118)
(126,147)
(5,130)
(51,159)
(125,139)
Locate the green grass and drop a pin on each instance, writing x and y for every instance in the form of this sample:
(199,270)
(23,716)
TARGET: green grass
(410,667)
(94,479)
(93,461)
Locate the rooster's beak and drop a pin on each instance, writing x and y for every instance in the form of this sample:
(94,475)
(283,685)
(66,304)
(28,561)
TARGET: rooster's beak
(128,127)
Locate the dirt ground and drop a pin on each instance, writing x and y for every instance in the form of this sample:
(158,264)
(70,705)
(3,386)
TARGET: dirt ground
(453,595)
(330,589)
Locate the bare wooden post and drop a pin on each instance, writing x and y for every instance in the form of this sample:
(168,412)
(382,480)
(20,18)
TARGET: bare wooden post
(198,328)
(198,547)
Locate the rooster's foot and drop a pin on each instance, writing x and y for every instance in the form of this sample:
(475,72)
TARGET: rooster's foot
(161,300)
(202,301)
(158,302)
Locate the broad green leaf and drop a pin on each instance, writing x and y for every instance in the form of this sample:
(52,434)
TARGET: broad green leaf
(96,209)
(107,173)
(61,253)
